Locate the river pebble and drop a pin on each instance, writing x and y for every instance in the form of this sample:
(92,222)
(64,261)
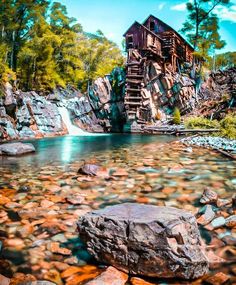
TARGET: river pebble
(213,142)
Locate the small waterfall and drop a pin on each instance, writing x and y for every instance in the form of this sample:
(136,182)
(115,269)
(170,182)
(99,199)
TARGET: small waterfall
(72,129)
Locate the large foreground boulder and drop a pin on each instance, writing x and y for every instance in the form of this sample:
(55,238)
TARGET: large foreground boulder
(145,240)
(17,148)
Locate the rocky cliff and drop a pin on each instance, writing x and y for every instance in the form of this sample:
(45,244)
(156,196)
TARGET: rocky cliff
(154,88)
(29,115)
(217,95)
(104,108)
(26,114)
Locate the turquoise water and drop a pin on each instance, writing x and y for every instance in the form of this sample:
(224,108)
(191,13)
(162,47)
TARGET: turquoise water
(62,150)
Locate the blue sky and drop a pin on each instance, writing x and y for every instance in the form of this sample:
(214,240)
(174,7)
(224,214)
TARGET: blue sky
(114,17)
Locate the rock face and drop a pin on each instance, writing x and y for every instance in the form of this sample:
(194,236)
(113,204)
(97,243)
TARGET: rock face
(107,100)
(33,116)
(145,240)
(217,94)
(16,148)
(29,115)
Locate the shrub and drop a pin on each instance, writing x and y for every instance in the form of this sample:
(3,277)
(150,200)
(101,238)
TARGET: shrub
(176,116)
(228,126)
(201,123)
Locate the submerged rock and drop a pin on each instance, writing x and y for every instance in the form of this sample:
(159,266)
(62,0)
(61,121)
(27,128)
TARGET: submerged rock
(4,280)
(208,215)
(16,148)
(111,276)
(89,169)
(218,222)
(231,221)
(217,279)
(43,282)
(208,196)
(139,281)
(145,240)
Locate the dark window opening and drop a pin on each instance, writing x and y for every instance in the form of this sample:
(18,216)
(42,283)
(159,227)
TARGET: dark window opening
(152,26)
(130,41)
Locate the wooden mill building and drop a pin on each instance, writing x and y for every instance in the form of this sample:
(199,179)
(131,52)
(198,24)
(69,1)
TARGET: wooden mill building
(153,40)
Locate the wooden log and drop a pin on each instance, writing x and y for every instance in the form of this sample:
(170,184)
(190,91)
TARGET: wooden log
(225,153)
(198,131)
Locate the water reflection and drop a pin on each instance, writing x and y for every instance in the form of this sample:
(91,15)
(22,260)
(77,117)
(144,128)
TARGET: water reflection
(71,148)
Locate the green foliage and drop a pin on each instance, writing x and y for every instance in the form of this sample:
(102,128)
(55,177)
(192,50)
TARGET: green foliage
(202,26)
(201,123)
(16,21)
(6,73)
(223,60)
(99,56)
(176,116)
(227,126)
(47,48)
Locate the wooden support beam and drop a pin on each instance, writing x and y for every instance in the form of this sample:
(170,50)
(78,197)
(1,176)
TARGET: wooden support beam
(134,76)
(133,103)
(133,89)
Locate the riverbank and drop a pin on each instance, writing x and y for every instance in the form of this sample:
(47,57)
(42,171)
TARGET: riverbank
(225,146)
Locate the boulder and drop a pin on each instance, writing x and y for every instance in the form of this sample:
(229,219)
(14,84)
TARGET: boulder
(145,240)
(89,169)
(16,148)
(10,101)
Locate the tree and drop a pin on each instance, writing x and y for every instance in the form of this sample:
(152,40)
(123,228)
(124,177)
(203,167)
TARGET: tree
(37,67)
(223,60)
(200,15)
(6,74)
(99,56)
(66,54)
(16,21)
(209,39)
(176,116)
(46,48)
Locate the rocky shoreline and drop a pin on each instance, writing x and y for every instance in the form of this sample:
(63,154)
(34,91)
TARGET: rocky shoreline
(215,143)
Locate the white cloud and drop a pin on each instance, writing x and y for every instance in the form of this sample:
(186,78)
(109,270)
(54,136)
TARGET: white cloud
(179,7)
(226,13)
(161,6)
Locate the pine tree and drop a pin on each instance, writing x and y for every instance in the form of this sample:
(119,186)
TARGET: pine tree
(201,27)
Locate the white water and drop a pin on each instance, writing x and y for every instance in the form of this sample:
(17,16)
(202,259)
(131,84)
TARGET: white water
(72,129)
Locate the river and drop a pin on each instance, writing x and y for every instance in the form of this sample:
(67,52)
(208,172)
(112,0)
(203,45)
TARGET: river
(38,194)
